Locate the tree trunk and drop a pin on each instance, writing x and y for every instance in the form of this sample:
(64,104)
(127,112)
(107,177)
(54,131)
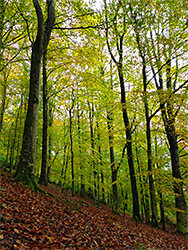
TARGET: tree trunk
(168,116)
(162,210)
(2,15)
(114,169)
(91,121)
(2,107)
(3,104)
(161,205)
(12,150)
(25,169)
(72,153)
(8,146)
(182,212)
(50,144)
(82,184)
(142,201)
(154,219)
(136,209)
(65,171)
(153,203)
(48,29)
(119,65)
(43,175)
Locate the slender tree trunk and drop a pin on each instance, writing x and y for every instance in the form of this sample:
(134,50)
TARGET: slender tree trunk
(65,172)
(144,192)
(3,94)
(182,212)
(115,198)
(119,64)
(153,203)
(154,219)
(63,164)
(82,184)
(103,190)
(136,209)
(72,153)
(2,16)
(43,175)
(142,201)
(99,161)
(161,205)
(114,169)
(146,198)
(12,150)
(48,29)
(18,145)
(50,144)
(91,121)
(8,146)
(2,106)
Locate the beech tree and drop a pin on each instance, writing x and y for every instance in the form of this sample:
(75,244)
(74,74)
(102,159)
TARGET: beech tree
(48,29)
(119,34)
(163,51)
(148,117)
(25,169)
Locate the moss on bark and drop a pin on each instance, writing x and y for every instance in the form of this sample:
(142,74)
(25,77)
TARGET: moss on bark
(29,181)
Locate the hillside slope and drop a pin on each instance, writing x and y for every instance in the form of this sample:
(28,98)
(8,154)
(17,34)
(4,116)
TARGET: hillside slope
(31,220)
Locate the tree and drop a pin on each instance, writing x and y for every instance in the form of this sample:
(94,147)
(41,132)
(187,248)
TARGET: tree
(148,118)
(25,169)
(163,52)
(119,36)
(48,29)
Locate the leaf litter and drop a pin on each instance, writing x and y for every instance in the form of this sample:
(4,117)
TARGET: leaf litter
(31,220)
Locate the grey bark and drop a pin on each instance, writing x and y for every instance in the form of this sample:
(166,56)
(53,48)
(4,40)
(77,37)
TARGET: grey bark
(119,65)
(25,167)
(48,29)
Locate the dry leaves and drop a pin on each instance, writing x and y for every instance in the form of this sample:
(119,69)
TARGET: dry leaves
(31,220)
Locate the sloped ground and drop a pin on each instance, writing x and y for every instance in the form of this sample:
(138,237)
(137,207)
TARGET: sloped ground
(31,220)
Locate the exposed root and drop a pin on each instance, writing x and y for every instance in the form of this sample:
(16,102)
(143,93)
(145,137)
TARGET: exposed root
(31,182)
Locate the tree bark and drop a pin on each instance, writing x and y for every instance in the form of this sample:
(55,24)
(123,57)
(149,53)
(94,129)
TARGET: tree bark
(2,15)
(153,202)
(136,209)
(25,169)
(50,143)
(154,219)
(93,165)
(119,64)
(4,85)
(43,175)
(82,179)
(3,105)
(12,149)
(142,197)
(114,169)
(182,212)
(72,153)
(48,29)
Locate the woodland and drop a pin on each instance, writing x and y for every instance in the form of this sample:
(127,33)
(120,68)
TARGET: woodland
(94,121)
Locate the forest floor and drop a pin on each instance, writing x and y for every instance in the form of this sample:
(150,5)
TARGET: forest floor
(31,220)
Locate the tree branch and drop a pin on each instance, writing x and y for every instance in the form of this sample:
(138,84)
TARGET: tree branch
(79,27)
